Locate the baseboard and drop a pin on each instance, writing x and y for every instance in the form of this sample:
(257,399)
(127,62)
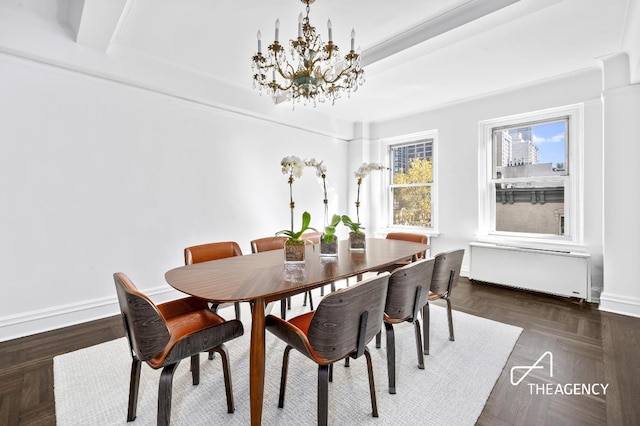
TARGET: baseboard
(619,304)
(38,321)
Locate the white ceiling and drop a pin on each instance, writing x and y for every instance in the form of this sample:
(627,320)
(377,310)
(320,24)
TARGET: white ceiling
(417,54)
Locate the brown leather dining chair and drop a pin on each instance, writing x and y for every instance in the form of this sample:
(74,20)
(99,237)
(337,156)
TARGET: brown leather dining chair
(408,293)
(406,236)
(277,243)
(213,251)
(164,334)
(446,271)
(314,237)
(345,321)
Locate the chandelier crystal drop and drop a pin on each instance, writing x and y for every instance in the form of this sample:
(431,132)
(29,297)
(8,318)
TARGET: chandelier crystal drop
(315,71)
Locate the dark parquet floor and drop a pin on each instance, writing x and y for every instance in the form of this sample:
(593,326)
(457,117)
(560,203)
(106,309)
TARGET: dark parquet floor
(588,346)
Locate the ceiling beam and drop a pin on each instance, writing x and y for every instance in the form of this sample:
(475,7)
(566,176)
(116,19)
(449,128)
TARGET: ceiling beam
(463,14)
(95,21)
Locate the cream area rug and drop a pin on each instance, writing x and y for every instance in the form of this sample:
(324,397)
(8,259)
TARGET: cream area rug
(91,384)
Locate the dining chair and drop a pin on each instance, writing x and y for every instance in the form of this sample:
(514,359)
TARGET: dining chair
(406,236)
(408,293)
(213,251)
(314,237)
(164,334)
(446,271)
(277,243)
(345,321)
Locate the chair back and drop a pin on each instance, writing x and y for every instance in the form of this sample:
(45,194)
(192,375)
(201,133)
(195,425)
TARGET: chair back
(408,236)
(335,329)
(211,251)
(409,289)
(314,237)
(146,328)
(267,244)
(446,271)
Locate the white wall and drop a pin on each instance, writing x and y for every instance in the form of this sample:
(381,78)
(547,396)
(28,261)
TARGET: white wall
(98,177)
(457,162)
(621,195)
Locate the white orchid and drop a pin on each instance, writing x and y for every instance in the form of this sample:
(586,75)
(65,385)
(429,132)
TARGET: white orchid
(292,166)
(366,168)
(361,173)
(321,169)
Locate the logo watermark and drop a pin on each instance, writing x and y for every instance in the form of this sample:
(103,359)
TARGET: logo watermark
(554,389)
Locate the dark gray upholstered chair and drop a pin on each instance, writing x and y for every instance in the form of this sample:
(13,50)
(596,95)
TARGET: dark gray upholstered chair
(345,321)
(162,335)
(213,251)
(445,276)
(277,243)
(408,293)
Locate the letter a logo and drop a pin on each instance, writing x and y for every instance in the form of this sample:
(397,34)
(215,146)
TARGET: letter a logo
(535,365)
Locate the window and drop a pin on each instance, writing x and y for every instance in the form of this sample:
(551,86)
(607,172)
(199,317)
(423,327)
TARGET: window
(530,175)
(411,186)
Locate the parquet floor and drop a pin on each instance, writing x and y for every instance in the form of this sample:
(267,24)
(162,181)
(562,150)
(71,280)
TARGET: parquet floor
(588,346)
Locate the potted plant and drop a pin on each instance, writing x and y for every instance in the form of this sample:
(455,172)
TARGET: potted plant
(294,245)
(329,240)
(357,238)
(360,174)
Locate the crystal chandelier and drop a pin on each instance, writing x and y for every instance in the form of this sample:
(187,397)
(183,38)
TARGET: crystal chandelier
(316,71)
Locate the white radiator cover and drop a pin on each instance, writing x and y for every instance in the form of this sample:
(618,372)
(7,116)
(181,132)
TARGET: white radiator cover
(557,272)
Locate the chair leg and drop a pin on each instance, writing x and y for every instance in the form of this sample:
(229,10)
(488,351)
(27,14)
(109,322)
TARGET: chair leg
(289,303)
(283,309)
(164,394)
(236,305)
(304,302)
(134,385)
(391,356)
(449,314)
(283,376)
(195,369)
(322,291)
(333,286)
(378,339)
(226,371)
(372,385)
(426,328)
(331,372)
(416,325)
(323,395)
(310,300)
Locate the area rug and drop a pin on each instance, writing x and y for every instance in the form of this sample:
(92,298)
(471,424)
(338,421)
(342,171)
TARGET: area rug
(91,384)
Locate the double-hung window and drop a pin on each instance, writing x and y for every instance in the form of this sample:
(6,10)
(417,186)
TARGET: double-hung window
(530,175)
(411,183)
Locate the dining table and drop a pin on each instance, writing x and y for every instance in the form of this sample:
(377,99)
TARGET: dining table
(264,277)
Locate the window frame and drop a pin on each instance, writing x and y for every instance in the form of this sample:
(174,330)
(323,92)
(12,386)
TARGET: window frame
(415,138)
(574,181)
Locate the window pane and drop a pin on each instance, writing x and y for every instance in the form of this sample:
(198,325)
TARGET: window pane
(531,150)
(531,207)
(412,206)
(412,163)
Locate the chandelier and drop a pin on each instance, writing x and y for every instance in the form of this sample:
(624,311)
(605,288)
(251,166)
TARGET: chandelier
(315,73)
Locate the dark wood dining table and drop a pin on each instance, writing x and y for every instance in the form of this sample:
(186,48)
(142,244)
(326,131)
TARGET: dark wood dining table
(264,277)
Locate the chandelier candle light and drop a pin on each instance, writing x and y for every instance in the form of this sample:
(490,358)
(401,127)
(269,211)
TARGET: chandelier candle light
(315,73)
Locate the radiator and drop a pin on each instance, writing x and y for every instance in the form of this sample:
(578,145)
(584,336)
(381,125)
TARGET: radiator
(563,273)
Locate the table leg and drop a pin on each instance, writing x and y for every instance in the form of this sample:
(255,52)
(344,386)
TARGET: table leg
(256,361)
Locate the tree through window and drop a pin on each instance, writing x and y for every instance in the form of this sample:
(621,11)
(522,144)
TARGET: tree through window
(411,184)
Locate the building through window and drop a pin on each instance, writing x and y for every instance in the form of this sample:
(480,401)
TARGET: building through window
(411,187)
(530,175)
